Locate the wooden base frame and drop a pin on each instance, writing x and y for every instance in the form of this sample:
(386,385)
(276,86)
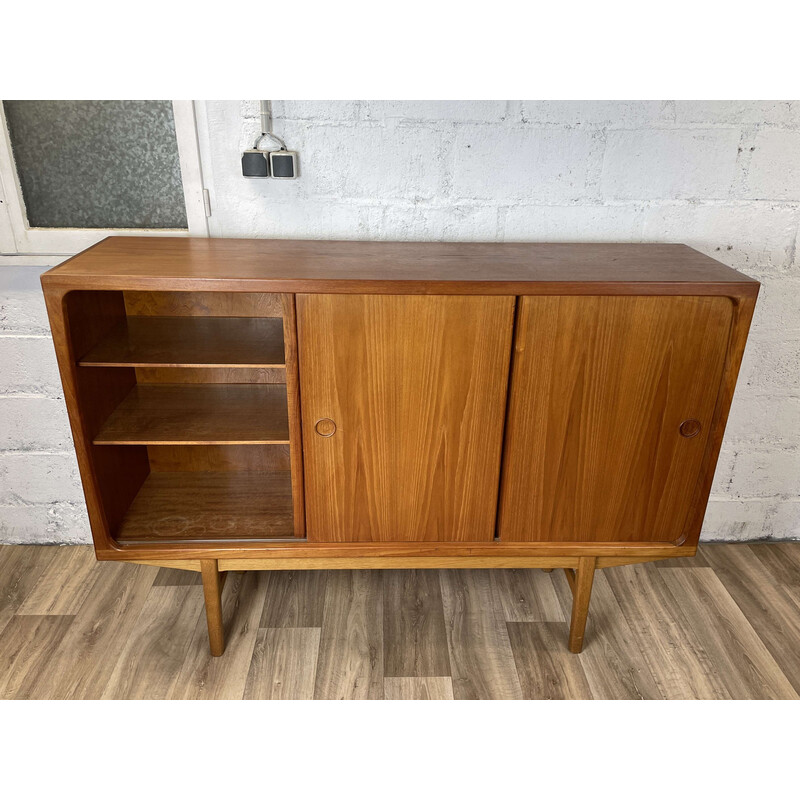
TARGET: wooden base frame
(579,571)
(580,582)
(213,583)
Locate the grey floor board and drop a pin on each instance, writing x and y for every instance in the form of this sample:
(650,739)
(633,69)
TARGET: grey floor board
(612,662)
(284,665)
(414,636)
(350,664)
(481,660)
(547,671)
(294,598)
(679,661)
(205,677)
(782,559)
(429,688)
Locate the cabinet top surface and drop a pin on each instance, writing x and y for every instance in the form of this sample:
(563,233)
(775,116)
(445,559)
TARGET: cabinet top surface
(391,267)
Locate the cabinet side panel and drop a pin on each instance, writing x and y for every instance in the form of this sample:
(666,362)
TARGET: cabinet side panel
(293,406)
(416,387)
(111,476)
(742,317)
(599,391)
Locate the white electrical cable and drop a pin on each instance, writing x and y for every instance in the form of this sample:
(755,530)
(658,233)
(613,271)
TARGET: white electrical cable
(266,116)
(266,125)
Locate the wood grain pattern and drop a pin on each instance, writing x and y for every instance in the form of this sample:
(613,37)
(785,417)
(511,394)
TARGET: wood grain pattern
(25,643)
(154,653)
(678,660)
(209,506)
(110,476)
(581,587)
(393,267)
(743,307)
(213,583)
(740,658)
(182,565)
(177,577)
(210,375)
(481,659)
(414,636)
(419,688)
(422,555)
(64,585)
(780,558)
(761,593)
(350,665)
(546,671)
(176,414)
(88,652)
(294,413)
(294,599)
(416,386)
(695,561)
(613,664)
(526,595)
(219,458)
(190,342)
(365,562)
(676,638)
(284,664)
(205,677)
(202,304)
(20,569)
(599,389)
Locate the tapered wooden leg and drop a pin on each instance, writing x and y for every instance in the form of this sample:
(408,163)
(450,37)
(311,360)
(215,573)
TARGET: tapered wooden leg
(581,594)
(212,590)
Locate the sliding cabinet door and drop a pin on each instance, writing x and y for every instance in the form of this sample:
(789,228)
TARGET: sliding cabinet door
(403,400)
(610,412)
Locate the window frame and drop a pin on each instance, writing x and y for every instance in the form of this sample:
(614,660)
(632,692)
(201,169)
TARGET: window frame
(17,237)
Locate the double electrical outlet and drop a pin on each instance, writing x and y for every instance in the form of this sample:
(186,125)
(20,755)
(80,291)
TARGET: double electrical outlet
(281,164)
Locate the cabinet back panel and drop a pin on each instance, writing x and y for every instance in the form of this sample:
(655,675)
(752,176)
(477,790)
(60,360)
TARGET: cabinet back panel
(417,388)
(203,304)
(218,458)
(599,389)
(209,375)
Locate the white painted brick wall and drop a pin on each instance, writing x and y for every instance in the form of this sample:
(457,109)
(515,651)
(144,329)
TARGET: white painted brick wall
(597,113)
(524,164)
(669,164)
(774,171)
(41,499)
(721,176)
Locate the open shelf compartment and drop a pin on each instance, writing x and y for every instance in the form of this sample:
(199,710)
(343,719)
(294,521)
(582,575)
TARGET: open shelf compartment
(209,507)
(199,414)
(189,405)
(190,342)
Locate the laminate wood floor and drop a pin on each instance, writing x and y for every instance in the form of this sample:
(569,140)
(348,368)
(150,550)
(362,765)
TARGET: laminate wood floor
(723,625)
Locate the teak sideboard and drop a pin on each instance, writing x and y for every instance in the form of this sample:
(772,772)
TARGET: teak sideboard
(263,404)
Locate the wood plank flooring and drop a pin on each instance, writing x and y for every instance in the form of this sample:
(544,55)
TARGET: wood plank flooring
(725,625)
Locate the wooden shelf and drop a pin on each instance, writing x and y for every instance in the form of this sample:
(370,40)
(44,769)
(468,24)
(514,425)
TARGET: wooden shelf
(199,414)
(191,342)
(209,507)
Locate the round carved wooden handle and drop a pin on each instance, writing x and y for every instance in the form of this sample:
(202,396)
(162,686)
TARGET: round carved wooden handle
(690,427)
(325,427)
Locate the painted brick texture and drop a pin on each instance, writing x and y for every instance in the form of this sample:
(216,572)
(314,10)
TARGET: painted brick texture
(721,176)
(40,492)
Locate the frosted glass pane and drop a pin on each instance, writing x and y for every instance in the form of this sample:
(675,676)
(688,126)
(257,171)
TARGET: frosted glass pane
(97,163)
